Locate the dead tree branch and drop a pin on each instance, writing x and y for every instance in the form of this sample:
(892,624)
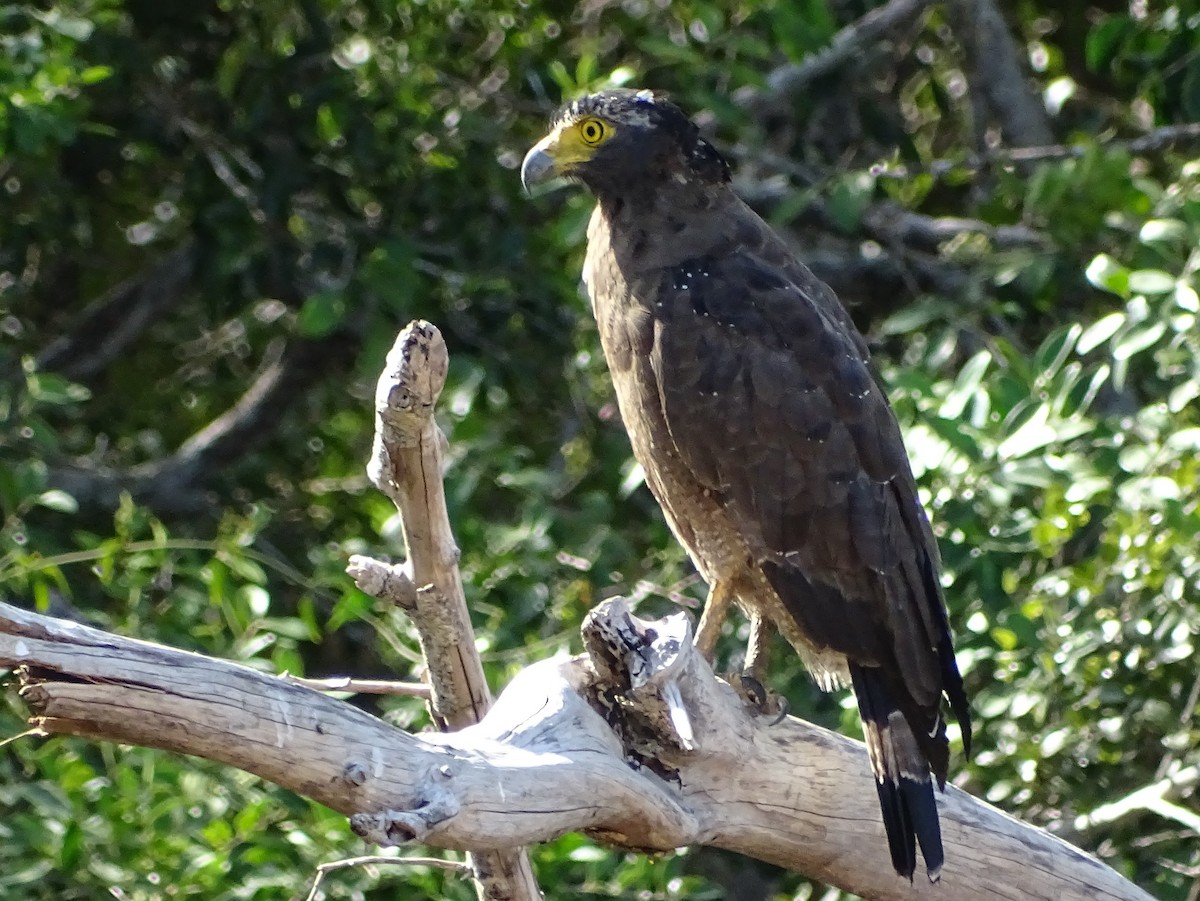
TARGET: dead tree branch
(546,760)
(406,465)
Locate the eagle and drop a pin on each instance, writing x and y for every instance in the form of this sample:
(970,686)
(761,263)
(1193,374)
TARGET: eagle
(753,408)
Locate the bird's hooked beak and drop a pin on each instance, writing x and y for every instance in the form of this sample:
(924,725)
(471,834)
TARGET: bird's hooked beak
(539,164)
(564,153)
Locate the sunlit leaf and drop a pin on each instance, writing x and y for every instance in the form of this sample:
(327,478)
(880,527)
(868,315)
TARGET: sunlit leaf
(1033,433)
(1138,340)
(1151,281)
(1105,272)
(1162,230)
(1099,332)
(965,385)
(1187,298)
(56,499)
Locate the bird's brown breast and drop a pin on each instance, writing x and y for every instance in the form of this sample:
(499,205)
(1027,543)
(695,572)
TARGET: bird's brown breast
(626,304)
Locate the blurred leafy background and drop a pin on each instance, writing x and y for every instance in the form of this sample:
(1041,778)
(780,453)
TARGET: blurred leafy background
(215,216)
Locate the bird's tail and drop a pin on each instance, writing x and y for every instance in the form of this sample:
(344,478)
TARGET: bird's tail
(902,776)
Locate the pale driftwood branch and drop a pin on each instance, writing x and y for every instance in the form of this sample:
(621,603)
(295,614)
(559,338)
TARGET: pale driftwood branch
(546,760)
(406,465)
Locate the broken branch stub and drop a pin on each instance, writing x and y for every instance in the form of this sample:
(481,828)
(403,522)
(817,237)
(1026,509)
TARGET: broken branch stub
(406,465)
(638,665)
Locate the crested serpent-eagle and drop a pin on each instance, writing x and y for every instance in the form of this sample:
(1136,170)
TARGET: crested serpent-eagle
(752,406)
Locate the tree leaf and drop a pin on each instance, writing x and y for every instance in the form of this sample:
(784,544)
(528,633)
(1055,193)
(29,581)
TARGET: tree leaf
(1099,332)
(1103,41)
(321,314)
(1106,273)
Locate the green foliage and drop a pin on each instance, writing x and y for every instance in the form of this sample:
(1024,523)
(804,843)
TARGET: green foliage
(44,79)
(1063,485)
(196,186)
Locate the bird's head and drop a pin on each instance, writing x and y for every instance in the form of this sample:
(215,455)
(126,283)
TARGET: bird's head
(623,143)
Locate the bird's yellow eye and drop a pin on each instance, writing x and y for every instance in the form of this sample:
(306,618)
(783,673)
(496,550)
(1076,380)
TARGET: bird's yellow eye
(593,131)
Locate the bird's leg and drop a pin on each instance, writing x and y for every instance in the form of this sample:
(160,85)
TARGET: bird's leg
(758,650)
(716,608)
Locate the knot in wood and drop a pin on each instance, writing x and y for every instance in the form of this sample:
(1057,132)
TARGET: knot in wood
(411,382)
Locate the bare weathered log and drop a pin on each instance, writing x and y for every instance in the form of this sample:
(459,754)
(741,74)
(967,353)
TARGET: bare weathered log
(545,760)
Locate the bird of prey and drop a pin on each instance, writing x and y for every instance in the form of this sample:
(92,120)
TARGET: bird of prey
(752,406)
